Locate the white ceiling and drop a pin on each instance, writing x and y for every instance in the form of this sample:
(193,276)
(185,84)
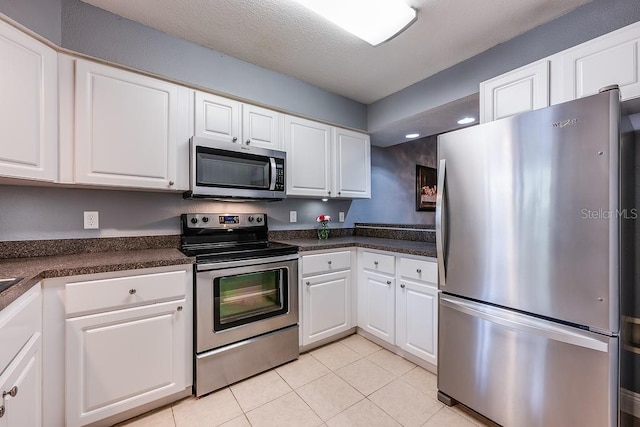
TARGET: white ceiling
(285,37)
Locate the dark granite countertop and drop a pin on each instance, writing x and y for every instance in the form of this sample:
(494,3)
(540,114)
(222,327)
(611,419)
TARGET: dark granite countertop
(35,269)
(427,249)
(37,260)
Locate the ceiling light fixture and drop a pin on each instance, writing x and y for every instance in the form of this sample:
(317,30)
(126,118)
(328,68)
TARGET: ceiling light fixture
(412,135)
(373,21)
(466,120)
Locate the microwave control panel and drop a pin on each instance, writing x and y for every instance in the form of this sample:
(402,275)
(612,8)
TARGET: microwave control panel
(279,175)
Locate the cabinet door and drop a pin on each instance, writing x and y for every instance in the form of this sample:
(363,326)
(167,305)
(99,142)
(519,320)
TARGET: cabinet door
(122,359)
(217,117)
(417,319)
(352,164)
(376,305)
(524,89)
(611,59)
(29,107)
(24,379)
(261,127)
(326,305)
(126,128)
(308,147)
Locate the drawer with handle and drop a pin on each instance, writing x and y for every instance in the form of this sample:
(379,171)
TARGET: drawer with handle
(417,269)
(322,263)
(118,292)
(379,262)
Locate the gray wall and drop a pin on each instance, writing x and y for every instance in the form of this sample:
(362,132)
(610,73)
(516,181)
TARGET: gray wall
(99,33)
(40,16)
(587,22)
(35,213)
(393,184)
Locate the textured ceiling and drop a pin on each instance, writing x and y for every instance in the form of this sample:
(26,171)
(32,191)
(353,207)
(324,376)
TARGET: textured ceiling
(283,36)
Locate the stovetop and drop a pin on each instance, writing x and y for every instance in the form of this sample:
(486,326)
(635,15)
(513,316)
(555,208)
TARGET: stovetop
(212,237)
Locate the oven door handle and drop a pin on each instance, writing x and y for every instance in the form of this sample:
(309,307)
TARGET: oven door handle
(244,262)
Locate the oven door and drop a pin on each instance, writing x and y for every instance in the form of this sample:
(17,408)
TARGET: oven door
(238,300)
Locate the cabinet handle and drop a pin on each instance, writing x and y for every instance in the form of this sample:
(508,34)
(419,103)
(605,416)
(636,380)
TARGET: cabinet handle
(179,308)
(329,262)
(402,285)
(234,139)
(329,192)
(2,411)
(375,262)
(248,141)
(388,282)
(132,291)
(339,193)
(12,392)
(171,183)
(308,283)
(418,271)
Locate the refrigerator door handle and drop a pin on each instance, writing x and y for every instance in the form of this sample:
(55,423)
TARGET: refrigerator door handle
(442,168)
(527,324)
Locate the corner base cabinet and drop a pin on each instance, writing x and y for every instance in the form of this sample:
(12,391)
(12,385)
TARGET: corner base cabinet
(20,361)
(126,343)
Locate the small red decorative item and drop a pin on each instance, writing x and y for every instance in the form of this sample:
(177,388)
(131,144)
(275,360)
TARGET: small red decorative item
(323,231)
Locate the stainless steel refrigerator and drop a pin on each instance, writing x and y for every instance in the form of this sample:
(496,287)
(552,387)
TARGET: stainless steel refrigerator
(529,220)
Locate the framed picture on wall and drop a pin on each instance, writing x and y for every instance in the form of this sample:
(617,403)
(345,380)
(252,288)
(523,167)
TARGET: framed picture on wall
(426,188)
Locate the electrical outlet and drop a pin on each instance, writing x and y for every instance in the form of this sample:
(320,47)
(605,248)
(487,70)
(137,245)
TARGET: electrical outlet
(91,220)
(293,216)
(341,216)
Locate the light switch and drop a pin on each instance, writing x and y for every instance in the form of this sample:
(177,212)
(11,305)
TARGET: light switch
(341,216)
(293,216)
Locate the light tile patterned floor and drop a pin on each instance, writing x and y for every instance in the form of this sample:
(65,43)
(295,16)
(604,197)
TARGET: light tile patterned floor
(352,382)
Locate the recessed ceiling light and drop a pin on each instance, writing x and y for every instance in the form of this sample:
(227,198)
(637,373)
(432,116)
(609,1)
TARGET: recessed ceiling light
(466,121)
(412,135)
(373,21)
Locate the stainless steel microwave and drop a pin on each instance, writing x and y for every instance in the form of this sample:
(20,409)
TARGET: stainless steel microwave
(225,170)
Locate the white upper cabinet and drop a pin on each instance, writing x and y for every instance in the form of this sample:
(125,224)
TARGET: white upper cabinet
(352,163)
(217,117)
(524,89)
(226,120)
(262,127)
(611,59)
(126,128)
(29,107)
(308,165)
(324,161)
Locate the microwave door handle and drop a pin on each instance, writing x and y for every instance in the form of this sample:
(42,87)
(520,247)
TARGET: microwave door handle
(272,182)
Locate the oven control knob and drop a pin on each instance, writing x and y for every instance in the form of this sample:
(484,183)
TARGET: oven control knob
(259,219)
(250,219)
(194,220)
(205,219)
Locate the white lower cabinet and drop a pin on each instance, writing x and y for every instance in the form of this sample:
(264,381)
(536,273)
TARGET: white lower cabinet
(326,295)
(116,343)
(22,403)
(20,357)
(122,359)
(398,301)
(376,305)
(417,317)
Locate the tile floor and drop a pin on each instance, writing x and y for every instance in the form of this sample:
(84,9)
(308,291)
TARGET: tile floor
(352,382)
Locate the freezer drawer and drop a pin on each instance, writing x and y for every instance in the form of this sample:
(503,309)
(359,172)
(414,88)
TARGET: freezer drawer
(522,371)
